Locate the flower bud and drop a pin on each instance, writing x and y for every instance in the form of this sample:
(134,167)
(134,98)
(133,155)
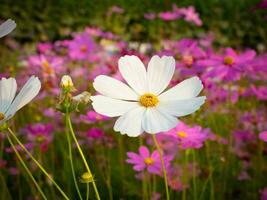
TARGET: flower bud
(66,83)
(87,178)
(84,97)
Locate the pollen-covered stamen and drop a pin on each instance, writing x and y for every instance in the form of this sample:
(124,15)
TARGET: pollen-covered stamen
(188,60)
(2,116)
(149,161)
(182,134)
(228,60)
(148,100)
(83,48)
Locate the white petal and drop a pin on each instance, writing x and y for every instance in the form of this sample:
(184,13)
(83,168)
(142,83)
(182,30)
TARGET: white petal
(131,122)
(26,94)
(8,88)
(113,88)
(7,27)
(159,73)
(155,121)
(134,72)
(181,107)
(112,107)
(187,89)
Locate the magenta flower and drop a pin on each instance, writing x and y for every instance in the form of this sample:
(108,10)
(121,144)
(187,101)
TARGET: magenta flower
(40,134)
(264,194)
(95,133)
(44,47)
(228,66)
(169,16)
(263,136)
(260,92)
(187,52)
(188,138)
(47,66)
(92,116)
(145,160)
(190,15)
(81,47)
(150,16)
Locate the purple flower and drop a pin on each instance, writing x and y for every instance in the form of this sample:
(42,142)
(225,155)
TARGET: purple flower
(190,15)
(188,138)
(44,47)
(150,16)
(92,116)
(81,47)
(263,136)
(145,160)
(264,194)
(47,66)
(260,92)
(40,134)
(228,66)
(95,133)
(169,16)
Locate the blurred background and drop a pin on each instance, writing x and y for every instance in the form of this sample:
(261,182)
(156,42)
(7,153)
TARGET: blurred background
(234,22)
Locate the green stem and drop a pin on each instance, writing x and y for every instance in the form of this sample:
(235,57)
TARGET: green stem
(26,168)
(194,175)
(87,191)
(163,166)
(71,162)
(38,164)
(81,153)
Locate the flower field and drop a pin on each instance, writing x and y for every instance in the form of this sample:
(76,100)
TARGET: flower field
(165,105)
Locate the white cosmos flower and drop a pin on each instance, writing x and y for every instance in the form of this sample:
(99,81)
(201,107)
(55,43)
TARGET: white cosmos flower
(8,26)
(144,105)
(9,104)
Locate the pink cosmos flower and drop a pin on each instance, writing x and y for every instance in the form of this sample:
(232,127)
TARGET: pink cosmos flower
(264,194)
(150,16)
(260,92)
(188,138)
(263,136)
(92,116)
(145,160)
(169,16)
(228,66)
(190,15)
(81,47)
(40,134)
(95,133)
(44,47)
(47,66)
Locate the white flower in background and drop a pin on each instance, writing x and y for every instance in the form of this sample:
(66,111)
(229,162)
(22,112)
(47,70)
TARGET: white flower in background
(9,104)
(8,26)
(144,105)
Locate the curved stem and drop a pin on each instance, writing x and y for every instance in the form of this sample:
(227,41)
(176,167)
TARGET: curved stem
(81,153)
(38,164)
(163,166)
(71,163)
(26,168)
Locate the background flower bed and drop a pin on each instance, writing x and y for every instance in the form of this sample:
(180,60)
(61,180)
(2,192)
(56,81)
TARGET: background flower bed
(230,158)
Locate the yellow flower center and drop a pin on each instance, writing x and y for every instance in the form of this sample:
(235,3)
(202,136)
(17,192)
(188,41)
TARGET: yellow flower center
(148,100)
(182,134)
(188,60)
(45,64)
(149,161)
(87,178)
(83,48)
(40,138)
(2,116)
(228,60)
